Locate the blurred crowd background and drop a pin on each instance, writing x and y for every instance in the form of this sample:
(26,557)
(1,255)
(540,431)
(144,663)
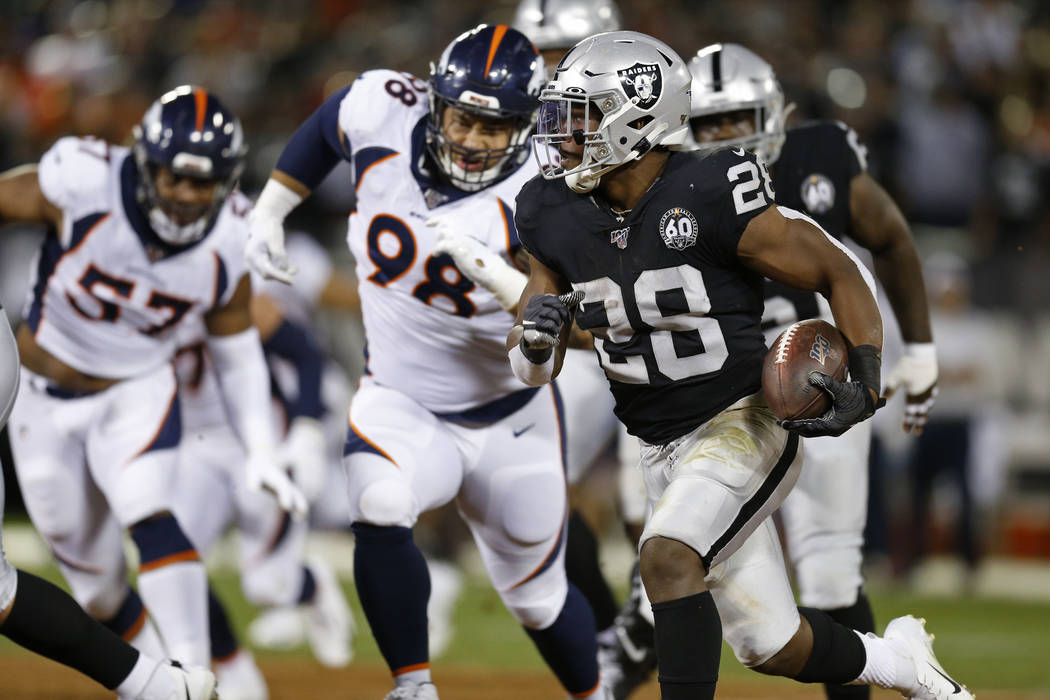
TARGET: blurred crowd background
(951,96)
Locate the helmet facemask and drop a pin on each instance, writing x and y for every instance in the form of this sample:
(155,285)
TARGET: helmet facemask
(494,163)
(164,214)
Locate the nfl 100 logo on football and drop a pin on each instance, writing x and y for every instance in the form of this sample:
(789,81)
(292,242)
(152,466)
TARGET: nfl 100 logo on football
(678,228)
(820,349)
(818,194)
(642,80)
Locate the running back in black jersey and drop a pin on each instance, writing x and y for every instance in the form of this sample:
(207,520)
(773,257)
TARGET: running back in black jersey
(813,174)
(676,316)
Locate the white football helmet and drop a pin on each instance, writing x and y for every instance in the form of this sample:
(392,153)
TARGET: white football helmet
(561,24)
(635,87)
(729,78)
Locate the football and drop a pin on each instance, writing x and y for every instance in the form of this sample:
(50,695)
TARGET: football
(805,347)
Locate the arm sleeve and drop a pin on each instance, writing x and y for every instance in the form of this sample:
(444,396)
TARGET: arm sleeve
(245,381)
(295,344)
(317,145)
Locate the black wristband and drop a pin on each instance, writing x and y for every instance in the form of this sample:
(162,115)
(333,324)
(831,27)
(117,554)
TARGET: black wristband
(536,356)
(865,366)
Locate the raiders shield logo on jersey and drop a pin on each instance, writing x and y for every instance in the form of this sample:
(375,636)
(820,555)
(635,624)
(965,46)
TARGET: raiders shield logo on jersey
(642,80)
(818,194)
(678,228)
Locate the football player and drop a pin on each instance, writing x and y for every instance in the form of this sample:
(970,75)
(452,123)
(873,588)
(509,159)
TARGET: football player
(667,250)
(439,415)
(141,241)
(821,169)
(41,617)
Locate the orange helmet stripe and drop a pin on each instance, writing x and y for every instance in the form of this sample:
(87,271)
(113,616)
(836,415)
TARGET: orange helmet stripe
(202,106)
(497,37)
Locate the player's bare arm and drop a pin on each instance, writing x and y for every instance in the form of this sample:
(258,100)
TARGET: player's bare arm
(21,198)
(795,253)
(236,315)
(878,225)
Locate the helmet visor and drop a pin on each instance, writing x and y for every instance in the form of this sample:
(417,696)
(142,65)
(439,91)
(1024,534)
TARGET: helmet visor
(570,135)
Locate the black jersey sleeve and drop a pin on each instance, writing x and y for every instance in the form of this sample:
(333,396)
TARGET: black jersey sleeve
(734,187)
(854,152)
(529,220)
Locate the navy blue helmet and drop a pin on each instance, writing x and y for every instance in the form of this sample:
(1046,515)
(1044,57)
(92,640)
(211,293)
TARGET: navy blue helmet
(495,73)
(189,133)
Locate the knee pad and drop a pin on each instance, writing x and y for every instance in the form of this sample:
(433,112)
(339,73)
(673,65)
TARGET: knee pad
(531,505)
(536,604)
(387,502)
(829,579)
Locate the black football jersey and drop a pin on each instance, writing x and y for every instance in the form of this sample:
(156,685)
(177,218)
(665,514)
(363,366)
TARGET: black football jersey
(813,175)
(676,316)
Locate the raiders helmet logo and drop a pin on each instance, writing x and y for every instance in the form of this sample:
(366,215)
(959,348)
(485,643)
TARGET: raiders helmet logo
(644,81)
(818,194)
(678,228)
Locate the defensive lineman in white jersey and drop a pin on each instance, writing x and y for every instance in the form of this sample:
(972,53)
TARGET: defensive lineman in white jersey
(143,240)
(439,415)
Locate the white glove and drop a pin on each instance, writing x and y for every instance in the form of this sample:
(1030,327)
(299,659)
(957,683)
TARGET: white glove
(263,472)
(303,451)
(483,266)
(265,247)
(916,371)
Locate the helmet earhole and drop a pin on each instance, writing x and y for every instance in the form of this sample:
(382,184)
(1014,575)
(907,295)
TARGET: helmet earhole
(623,140)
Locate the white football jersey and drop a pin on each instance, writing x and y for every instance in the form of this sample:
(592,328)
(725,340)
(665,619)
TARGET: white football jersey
(432,333)
(105,299)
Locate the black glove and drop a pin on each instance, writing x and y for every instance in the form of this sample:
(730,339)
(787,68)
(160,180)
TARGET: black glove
(851,402)
(545,316)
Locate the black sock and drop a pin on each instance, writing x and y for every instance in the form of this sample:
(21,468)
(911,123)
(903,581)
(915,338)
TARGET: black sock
(394,585)
(859,617)
(223,640)
(838,655)
(569,645)
(584,571)
(688,647)
(46,620)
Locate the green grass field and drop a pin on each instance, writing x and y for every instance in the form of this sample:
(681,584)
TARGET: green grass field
(992,644)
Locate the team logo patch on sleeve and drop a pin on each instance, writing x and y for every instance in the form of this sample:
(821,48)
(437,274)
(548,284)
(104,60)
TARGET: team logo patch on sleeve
(818,194)
(644,81)
(678,228)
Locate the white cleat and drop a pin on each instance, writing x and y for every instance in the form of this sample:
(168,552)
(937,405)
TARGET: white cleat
(329,623)
(278,629)
(446,583)
(239,678)
(909,637)
(413,691)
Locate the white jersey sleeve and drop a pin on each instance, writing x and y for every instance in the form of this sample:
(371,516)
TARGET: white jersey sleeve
(380,103)
(232,227)
(74,176)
